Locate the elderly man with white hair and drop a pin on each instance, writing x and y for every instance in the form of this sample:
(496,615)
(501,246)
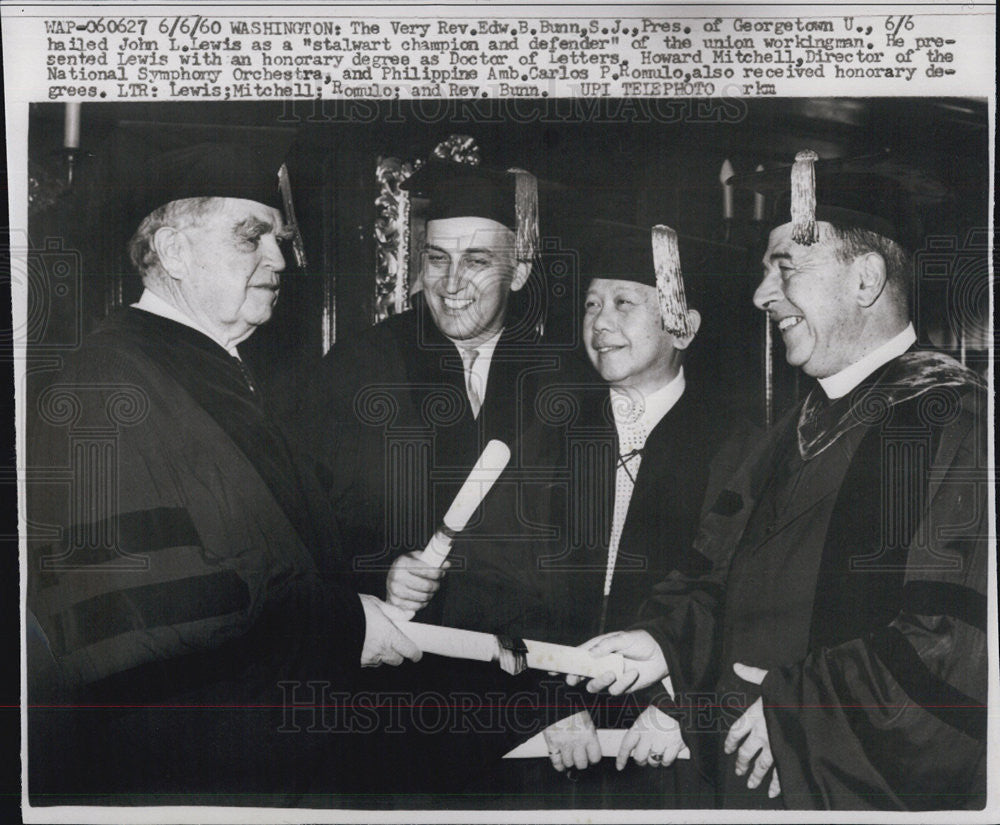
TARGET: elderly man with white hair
(184,586)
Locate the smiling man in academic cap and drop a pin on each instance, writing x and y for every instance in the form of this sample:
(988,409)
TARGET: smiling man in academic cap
(396,417)
(188,571)
(647,447)
(848,596)
(395,420)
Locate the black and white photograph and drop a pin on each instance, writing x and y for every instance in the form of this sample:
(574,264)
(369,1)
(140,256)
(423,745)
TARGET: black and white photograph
(555,456)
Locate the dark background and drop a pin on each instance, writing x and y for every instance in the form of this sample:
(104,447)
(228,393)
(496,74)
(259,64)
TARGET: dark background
(630,161)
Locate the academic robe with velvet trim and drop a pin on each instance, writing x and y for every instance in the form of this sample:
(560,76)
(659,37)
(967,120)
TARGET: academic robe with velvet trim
(687,458)
(184,584)
(552,519)
(857,578)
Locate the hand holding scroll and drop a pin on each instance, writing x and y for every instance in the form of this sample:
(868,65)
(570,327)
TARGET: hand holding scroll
(644,662)
(415,577)
(412,582)
(384,643)
(572,742)
(654,740)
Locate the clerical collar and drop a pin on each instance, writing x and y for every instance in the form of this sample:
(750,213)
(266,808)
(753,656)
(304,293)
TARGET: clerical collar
(650,410)
(841,383)
(154,304)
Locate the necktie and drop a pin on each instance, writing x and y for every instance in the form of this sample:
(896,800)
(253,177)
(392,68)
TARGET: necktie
(631,442)
(472,387)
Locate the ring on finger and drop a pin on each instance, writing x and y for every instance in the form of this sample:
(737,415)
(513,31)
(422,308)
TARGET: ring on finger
(655,758)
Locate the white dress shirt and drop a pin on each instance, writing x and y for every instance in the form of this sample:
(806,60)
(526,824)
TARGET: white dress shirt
(634,421)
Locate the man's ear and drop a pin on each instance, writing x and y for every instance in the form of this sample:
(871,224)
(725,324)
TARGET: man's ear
(171,247)
(869,269)
(694,324)
(521,274)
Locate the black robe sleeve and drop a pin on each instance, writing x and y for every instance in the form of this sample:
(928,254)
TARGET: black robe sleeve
(155,538)
(179,619)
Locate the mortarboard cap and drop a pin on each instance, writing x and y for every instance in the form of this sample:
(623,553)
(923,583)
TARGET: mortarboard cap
(459,190)
(218,170)
(616,251)
(622,252)
(875,192)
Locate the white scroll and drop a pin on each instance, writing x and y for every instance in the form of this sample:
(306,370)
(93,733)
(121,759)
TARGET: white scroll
(485,647)
(480,481)
(566,659)
(610,740)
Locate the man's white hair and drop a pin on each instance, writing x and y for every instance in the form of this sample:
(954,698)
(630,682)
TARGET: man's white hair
(179,214)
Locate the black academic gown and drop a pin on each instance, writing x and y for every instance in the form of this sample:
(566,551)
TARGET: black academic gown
(689,454)
(390,430)
(184,584)
(388,426)
(856,577)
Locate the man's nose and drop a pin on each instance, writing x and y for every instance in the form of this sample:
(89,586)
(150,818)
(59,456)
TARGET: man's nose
(272,254)
(455,278)
(767,291)
(603,320)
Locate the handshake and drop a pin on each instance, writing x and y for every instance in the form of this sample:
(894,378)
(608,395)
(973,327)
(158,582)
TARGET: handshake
(635,659)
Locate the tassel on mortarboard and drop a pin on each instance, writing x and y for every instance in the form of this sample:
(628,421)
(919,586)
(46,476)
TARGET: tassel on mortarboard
(298,244)
(526,212)
(669,282)
(803,206)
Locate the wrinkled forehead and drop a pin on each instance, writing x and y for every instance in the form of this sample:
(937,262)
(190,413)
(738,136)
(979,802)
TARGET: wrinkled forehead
(451,234)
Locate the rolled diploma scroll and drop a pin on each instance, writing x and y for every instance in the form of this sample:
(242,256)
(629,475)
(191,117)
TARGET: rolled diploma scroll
(566,659)
(610,740)
(485,647)
(481,479)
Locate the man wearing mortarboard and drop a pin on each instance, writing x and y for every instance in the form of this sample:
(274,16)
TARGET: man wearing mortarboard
(186,570)
(397,417)
(646,448)
(849,591)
